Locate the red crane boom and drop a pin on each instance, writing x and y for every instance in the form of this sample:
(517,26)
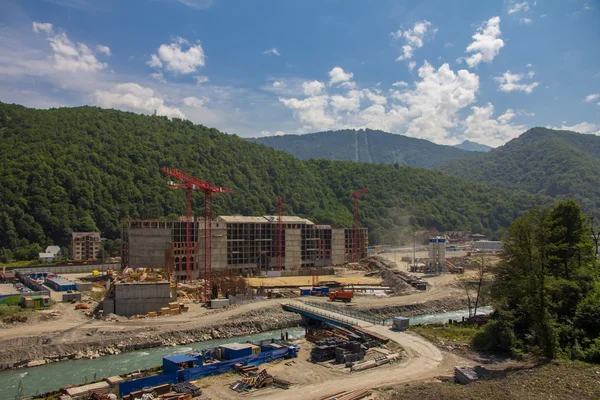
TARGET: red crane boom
(193,183)
(356,239)
(279,234)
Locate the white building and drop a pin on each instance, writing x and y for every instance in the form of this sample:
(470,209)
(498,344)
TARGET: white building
(488,245)
(52,253)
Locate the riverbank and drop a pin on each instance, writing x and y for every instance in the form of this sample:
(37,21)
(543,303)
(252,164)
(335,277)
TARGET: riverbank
(68,339)
(40,350)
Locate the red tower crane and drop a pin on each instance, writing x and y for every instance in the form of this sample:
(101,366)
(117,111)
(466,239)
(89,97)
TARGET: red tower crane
(279,234)
(356,240)
(191,183)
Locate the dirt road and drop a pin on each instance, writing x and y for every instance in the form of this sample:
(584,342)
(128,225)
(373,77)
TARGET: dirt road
(314,381)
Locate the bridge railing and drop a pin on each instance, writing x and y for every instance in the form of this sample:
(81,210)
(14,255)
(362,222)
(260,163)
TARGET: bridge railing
(320,314)
(350,313)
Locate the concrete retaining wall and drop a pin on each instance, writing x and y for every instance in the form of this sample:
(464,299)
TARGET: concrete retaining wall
(69,269)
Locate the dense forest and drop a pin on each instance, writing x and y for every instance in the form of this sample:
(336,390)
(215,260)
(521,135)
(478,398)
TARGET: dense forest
(559,164)
(365,145)
(545,291)
(85,168)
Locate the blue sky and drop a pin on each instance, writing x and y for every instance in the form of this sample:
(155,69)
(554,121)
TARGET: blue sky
(444,71)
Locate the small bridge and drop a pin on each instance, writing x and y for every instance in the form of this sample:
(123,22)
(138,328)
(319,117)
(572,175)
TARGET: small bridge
(334,318)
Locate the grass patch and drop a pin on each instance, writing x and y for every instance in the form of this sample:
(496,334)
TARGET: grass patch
(560,380)
(8,310)
(25,263)
(441,334)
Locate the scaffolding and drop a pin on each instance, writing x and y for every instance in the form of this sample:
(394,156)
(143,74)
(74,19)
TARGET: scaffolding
(239,244)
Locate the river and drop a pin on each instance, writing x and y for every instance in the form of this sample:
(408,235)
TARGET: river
(53,376)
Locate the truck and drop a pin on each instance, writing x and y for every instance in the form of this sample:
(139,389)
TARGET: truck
(346,297)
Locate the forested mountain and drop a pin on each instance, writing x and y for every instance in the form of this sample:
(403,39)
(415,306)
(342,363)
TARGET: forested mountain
(472,146)
(560,164)
(85,168)
(369,146)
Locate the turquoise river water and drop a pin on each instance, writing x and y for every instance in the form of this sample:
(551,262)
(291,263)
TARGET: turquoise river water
(53,376)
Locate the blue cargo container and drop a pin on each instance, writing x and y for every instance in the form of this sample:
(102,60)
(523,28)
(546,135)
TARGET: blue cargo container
(59,284)
(181,361)
(304,292)
(236,350)
(325,289)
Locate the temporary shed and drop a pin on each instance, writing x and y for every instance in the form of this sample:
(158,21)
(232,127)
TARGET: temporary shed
(59,284)
(180,361)
(400,323)
(236,350)
(36,301)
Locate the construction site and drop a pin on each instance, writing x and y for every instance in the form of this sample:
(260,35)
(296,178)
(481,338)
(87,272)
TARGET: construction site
(191,281)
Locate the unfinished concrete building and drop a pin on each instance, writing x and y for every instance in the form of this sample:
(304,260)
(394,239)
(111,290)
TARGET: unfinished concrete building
(240,244)
(86,246)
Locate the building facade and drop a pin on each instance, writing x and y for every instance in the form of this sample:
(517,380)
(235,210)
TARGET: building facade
(240,244)
(86,246)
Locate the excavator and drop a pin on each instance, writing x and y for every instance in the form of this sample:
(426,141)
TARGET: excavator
(453,269)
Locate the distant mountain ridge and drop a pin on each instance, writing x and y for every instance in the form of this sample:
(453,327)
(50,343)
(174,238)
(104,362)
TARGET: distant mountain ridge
(561,164)
(369,146)
(472,146)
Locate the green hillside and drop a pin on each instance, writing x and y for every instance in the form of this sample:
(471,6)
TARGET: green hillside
(369,146)
(472,146)
(560,164)
(85,168)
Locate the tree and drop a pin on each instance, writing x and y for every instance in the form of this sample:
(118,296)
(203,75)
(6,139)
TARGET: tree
(6,255)
(547,269)
(482,265)
(466,285)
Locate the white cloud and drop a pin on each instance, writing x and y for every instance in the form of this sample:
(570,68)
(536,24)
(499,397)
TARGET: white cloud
(375,98)
(407,53)
(486,43)
(482,128)
(436,100)
(73,58)
(40,26)
(414,38)
(592,97)
(350,103)
(348,85)
(529,65)
(311,111)
(159,77)
(543,15)
(587,7)
(582,127)
(313,88)
(200,79)
(278,84)
(518,7)
(271,52)
(199,4)
(400,83)
(412,65)
(337,75)
(193,101)
(176,59)
(134,97)
(526,20)
(428,111)
(103,49)
(510,82)
(155,61)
